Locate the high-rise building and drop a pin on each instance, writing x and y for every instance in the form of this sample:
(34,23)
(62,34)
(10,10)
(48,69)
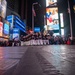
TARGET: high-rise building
(17,7)
(72,17)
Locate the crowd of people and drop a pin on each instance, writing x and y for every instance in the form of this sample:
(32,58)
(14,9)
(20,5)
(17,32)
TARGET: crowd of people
(9,43)
(38,39)
(41,39)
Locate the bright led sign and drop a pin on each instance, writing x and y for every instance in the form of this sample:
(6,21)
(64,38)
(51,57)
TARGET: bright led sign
(6,29)
(52,18)
(3,5)
(51,3)
(17,26)
(16,18)
(36,29)
(16,34)
(1,28)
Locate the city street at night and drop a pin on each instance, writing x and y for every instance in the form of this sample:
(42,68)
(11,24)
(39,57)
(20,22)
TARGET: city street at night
(38,60)
(37,37)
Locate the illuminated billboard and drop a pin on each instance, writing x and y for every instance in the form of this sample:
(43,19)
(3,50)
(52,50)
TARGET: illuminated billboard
(54,26)
(37,29)
(3,5)
(16,34)
(10,20)
(18,23)
(61,20)
(1,29)
(6,28)
(51,3)
(52,18)
(17,26)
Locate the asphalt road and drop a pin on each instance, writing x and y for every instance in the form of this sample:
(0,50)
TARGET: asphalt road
(38,60)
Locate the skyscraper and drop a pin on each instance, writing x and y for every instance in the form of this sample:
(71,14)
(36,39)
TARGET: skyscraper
(17,7)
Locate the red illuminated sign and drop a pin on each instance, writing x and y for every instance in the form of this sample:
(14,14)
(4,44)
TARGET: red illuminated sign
(1,28)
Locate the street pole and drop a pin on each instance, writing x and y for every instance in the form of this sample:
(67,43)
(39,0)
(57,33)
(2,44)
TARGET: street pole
(32,19)
(33,15)
(70,20)
(44,20)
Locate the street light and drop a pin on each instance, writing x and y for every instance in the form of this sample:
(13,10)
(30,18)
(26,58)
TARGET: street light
(33,13)
(35,3)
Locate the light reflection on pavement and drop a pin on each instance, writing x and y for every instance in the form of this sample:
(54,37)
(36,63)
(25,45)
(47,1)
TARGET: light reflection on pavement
(62,57)
(10,56)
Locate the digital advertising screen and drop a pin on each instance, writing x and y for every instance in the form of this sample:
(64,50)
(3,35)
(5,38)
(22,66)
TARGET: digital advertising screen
(51,3)
(54,26)
(17,26)
(6,29)
(1,29)
(16,34)
(61,20)
(36,29)
(10,20)
(18,23)
(3,5)
(52,18)
(21,25)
